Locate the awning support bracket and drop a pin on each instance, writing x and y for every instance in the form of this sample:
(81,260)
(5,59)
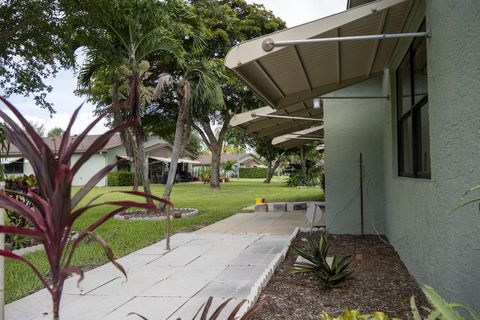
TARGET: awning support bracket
(268,44)
(254,115)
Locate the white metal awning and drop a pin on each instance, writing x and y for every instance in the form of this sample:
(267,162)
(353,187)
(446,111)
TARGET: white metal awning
(295,74)
(9,160)
(162,159)
(269,128)
(298,138)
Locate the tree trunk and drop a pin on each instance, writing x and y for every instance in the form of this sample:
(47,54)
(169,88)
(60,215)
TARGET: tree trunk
(215,166)
(141,163)
(177,146)
(303,162)
(271,170)
(119,118)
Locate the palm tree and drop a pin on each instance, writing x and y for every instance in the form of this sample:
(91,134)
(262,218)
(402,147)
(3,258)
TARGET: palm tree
(131,40)
(196,89)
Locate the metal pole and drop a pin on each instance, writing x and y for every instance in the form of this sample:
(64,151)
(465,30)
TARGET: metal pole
(268,44)
(2,259)
(305,138)
(254,115)
(354,97)
(167,228)
(361,190)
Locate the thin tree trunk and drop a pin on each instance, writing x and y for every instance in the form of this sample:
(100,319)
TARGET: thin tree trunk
(271,170)
(215,166)
(186,135)
(141,163)
(177,144)
(303,162)
(118,118)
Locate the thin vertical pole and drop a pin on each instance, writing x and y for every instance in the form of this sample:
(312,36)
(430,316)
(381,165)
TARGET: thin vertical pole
(361,190)
(2,259)
(167,227)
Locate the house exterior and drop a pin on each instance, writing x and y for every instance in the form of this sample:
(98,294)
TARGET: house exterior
(408,105)
(241,160)
(158,153)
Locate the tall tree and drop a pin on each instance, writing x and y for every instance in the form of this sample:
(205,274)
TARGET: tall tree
(39,128)
(33,46)
(273,155)
(196,88)
(229,22)
(55,132)
(133,31)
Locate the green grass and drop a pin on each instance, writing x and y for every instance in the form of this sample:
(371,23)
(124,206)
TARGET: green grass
(127,236)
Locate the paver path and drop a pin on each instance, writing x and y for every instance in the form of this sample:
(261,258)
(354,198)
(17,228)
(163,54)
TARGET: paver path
(161,284)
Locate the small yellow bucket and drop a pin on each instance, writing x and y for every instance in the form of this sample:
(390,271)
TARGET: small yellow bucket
(260,200)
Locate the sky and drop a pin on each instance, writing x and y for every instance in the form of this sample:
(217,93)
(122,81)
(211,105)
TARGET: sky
(65,101)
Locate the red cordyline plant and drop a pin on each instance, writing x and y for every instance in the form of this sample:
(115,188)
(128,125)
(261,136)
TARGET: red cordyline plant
(54,210)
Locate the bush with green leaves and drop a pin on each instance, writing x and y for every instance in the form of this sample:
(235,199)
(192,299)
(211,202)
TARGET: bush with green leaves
(120,178)
(328,274)
(17,187)
(296,178)
(441,309)
(253,173)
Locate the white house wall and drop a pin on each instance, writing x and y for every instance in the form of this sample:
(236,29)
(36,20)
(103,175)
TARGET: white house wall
(89,169)
(354,126)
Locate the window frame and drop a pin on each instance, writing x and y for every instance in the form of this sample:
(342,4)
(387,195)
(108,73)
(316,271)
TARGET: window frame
(413,112)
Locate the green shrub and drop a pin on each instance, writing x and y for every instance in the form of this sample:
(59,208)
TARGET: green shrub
(441,309)
(120,178)
(17,187)
(328,274)
(251,173)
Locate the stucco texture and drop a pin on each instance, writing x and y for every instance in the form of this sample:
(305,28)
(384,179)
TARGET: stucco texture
(441,248)
(354,126)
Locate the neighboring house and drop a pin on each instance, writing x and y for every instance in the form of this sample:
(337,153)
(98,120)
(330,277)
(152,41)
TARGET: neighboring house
(158,152)
(409,105)
(241,160)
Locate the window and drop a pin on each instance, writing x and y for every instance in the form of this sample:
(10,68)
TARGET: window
(412,112)
(14,167)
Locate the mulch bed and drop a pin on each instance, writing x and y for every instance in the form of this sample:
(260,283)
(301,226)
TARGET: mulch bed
(142,214)
(379,282)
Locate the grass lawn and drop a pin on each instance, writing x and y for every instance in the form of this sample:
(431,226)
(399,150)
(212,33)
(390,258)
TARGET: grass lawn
(127,236)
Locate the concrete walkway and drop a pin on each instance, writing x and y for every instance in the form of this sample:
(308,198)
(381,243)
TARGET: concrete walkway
(224,260)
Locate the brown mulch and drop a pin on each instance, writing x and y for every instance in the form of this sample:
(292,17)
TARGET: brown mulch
(379,282)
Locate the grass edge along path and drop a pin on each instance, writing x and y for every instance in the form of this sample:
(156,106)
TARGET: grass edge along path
(128,236)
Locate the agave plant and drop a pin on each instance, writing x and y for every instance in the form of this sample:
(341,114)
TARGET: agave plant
(205,308)
(54,210)
(329,274)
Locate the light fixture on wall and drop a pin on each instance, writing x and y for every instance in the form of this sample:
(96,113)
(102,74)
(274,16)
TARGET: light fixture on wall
(317,103)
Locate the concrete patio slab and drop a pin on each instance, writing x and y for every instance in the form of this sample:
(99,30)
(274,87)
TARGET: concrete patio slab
(188,311)
(279,223)
(224,260)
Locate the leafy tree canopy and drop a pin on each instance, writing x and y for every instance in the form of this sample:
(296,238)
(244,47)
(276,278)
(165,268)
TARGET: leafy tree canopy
(55,132)
(34,44)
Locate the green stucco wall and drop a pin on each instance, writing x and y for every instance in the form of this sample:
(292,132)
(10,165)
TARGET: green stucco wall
(440,248)
(354,126)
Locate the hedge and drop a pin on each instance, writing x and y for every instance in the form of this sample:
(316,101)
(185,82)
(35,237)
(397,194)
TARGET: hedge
(253,173)
(120,178)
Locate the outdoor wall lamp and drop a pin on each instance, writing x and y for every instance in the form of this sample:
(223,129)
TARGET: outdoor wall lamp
(317,103)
